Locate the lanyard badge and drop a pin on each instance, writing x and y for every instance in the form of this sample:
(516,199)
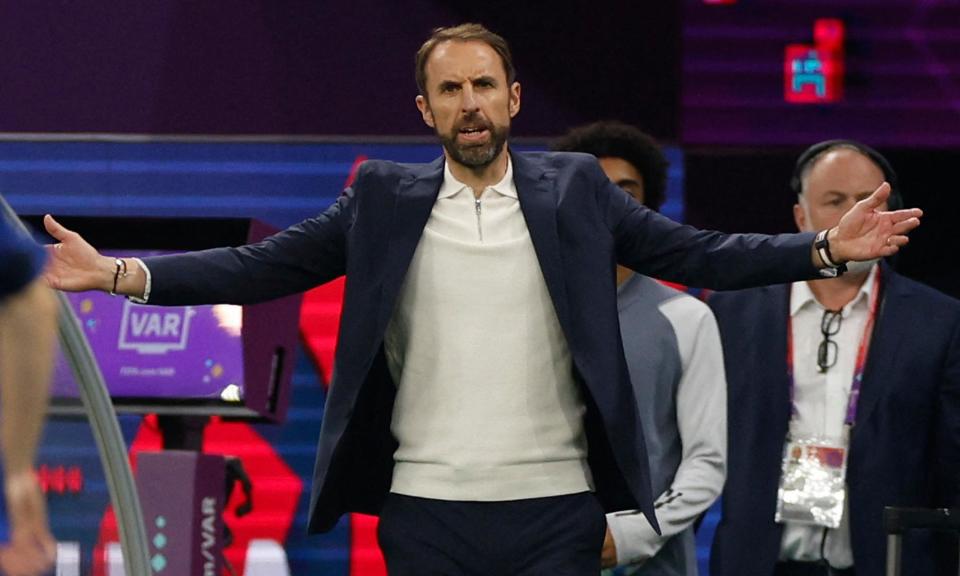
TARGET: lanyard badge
(814,469)
(813,482)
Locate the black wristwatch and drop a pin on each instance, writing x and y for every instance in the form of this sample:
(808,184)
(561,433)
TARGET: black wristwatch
(822,245)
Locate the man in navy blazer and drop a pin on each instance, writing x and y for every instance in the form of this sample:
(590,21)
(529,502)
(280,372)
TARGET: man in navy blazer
(904,442)
(574,226)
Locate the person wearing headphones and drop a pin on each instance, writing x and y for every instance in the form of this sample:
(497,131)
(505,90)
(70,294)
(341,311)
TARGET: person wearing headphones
(843,397)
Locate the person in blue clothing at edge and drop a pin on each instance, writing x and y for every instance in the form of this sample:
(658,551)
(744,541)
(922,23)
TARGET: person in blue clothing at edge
(675,363)
(844,398)
(481,404)
(27,339)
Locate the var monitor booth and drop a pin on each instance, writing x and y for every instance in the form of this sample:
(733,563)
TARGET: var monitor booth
(220,359)
(184,363)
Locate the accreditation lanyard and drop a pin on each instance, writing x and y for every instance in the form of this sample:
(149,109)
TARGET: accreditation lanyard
(858,367)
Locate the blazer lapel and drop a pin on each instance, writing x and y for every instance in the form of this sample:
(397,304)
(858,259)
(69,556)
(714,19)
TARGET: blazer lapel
(413,202)
(884,346)
(779,390)
(764,365)
(538,201)
(777,324)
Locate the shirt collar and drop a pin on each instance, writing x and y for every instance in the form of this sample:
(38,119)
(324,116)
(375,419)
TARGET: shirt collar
(801,295)
(451,186)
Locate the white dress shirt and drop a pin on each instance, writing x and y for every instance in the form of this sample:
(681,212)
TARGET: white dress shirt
(820,401)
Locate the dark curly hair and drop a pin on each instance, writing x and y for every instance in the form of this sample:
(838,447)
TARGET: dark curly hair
(619,140)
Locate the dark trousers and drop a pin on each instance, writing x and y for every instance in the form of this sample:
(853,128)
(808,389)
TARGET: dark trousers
(809,569)
(559,535)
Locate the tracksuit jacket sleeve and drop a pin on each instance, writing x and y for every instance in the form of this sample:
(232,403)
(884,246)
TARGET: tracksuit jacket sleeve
(702,422)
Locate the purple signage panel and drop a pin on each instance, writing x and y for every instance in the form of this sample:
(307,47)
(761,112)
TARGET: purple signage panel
(182,494)
(183,352)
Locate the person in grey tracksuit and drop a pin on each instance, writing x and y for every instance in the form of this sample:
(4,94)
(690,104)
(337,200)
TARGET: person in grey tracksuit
(675,360)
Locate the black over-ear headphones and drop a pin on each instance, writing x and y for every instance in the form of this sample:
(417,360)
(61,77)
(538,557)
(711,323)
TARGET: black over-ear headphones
(894,202)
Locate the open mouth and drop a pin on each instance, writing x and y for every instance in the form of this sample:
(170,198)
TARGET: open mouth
(473,133)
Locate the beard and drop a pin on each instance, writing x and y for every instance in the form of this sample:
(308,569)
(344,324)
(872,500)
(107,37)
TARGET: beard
(478,155)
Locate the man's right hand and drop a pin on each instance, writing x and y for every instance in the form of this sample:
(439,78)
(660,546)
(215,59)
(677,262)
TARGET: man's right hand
(75,265)
(608,556)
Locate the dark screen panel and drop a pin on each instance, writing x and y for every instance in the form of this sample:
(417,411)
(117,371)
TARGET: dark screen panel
(901,85)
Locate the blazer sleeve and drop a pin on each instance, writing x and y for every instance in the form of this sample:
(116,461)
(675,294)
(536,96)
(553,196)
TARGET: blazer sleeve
(303,256)
(652,244)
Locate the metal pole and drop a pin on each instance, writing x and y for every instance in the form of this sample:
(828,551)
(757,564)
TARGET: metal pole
(893,554)
(106,432)
(897,520)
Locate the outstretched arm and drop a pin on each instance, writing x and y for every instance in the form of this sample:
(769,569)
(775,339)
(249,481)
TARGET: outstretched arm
(296,259)
(27,337)
(654,245)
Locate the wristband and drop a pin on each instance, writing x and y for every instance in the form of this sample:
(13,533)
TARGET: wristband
(120,272)
(822,245)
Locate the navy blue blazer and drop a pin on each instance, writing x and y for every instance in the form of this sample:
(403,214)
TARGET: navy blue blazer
(581,226)
(905,444)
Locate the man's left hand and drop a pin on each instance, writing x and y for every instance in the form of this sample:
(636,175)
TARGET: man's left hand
(866,232)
